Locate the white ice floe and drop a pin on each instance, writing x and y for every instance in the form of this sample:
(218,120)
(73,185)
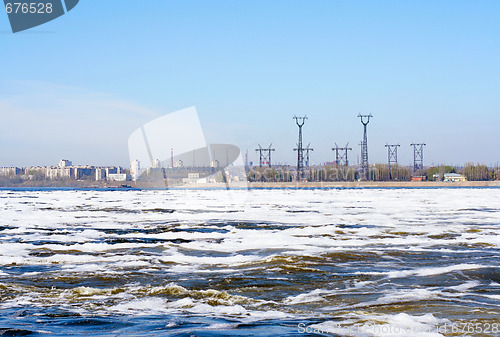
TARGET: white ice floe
(81,234)
(408,295)
(432,271)
(222,326)
(144,306)
(465,286)
(316,295)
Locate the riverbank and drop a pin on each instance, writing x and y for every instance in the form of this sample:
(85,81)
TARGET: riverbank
(262,185)
(354,184)
(6,184)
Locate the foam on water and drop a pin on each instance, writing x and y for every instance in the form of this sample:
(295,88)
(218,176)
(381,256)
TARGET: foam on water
(229,261)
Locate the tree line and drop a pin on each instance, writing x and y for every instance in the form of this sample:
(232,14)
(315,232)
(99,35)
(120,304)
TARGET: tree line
(377,172)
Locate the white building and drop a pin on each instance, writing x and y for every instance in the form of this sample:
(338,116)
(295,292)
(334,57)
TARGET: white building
(156,164)
(454,177)
(135,169)
(194,178)
(100,174)
(10,171)
(64,163)
(58,173)
(119,177)
(178,163)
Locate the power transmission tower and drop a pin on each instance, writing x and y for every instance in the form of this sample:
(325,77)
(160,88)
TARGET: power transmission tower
(300,151)
(418,156)
(341,155)
(364,146)
(265,155)
(305,152)
(392,156)
(306,159)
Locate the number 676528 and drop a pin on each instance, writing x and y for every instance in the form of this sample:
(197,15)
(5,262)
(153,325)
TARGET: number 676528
(25,8)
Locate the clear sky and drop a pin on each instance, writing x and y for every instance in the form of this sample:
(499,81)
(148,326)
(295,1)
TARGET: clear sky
(428,71)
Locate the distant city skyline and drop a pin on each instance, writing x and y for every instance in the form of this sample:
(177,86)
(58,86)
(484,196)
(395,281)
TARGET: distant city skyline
(427,72)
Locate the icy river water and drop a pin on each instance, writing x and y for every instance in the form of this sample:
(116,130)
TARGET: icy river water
(337,262)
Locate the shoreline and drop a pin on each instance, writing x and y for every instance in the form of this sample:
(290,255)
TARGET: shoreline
(261,185)
(273,185)
(388,184)
(354,184)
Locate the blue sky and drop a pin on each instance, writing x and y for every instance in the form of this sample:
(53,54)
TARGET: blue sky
(428,71)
